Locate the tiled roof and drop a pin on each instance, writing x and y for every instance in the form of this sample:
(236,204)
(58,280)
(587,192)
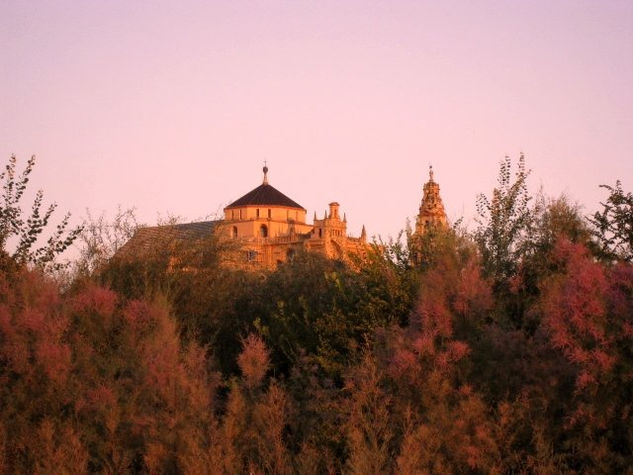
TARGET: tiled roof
(144,238)
(265,195)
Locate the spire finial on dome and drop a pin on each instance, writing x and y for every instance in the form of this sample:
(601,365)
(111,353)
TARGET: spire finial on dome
(265,170)
(430,172)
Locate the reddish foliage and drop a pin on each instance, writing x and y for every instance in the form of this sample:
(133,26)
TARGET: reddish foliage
(101,397)
(140,316)
(472,294)
(620,296)
(13,348)
(55,359)
(424,345)
(33,320)
(95,300)
(575,311)
(433,309)
(452,295)
(403,362)
(458,350)
(254,360)
(35,291)
(32,328)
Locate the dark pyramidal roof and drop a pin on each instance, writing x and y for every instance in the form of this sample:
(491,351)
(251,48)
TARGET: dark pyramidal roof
(265,194)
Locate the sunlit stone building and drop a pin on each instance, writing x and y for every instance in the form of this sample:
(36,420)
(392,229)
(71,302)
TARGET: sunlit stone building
(269,228)
(431,209)
(265,228)
(430,216)
(260,230)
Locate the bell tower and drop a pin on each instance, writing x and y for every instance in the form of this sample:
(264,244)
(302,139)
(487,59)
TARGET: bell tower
(431,209)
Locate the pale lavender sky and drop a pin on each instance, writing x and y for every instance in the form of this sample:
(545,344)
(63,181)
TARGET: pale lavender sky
(172,107)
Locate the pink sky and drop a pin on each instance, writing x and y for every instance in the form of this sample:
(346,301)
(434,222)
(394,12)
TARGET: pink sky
(172,107)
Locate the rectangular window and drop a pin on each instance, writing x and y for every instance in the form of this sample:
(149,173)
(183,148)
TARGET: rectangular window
(258,212)
(269,214)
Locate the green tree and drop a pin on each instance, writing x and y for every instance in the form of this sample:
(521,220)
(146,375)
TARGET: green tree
(614,224)
(327,310)
(27,231)
(505,221)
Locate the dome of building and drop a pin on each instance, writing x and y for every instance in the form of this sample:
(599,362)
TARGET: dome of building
(265,195)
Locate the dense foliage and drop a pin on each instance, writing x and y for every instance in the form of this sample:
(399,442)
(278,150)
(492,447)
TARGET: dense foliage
(508,350)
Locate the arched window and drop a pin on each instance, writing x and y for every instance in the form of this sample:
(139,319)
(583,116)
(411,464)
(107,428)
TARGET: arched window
(234,232)
(263,231)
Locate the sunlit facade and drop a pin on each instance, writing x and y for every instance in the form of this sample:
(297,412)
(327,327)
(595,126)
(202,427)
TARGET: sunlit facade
(269,228)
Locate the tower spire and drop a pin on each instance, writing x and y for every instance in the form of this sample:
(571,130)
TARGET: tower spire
(265,170)
(431,209)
